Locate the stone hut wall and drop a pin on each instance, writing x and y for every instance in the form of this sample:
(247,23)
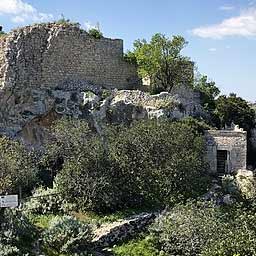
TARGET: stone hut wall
(49,55)
(235,142)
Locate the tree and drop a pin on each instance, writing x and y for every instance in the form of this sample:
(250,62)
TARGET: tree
(161,61)
(232,109)
(209,91)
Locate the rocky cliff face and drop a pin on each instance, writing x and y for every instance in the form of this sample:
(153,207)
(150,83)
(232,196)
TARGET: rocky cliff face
(27,114)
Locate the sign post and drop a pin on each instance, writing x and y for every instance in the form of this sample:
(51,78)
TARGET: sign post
(9,201)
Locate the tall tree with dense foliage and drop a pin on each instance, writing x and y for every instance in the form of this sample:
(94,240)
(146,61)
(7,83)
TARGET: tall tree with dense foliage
(161,61)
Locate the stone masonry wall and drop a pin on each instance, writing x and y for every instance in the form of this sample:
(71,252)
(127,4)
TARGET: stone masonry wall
(2,58)
(235,142)
(45,70)
(48,55)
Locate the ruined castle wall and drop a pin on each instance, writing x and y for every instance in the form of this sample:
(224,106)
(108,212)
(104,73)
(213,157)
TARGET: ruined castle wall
(2,58)
(235,142)
(45,56)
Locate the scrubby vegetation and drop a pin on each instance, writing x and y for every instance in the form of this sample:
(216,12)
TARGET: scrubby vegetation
(96,33)
(79,181)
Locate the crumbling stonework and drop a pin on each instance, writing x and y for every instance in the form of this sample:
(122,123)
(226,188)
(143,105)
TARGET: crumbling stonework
(49,55)
(226,150)
(45,70)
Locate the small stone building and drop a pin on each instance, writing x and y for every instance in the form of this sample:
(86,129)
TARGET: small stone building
(226,150)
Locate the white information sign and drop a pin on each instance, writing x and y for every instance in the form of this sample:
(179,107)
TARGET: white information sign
(9,201)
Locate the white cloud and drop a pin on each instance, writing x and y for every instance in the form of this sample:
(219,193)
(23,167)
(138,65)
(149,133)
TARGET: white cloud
(88,25)
(212,50)
(20,11)
(227,8)
(242,25)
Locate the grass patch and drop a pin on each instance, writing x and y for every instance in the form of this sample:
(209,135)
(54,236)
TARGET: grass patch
(41,221)
(141,247)
(108,218)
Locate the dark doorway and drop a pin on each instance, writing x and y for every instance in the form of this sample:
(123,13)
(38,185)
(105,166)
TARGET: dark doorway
(222,157)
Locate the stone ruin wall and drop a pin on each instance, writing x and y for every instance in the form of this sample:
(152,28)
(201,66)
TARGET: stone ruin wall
(48,55)
(234,142)
(45,69)
(2,58)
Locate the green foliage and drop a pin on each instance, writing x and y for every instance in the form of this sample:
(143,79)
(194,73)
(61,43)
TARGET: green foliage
(71,136)
(67,235)
(41,221)
(237,237)
(16,233)
(16,167)
(130,57)
(204,229)
(198,125)
(162,62)
(209,91)
(163,161)
(141,247)
(96,33)
(88,179)
(234,109)
(46,201)
(185,229)
(2,33)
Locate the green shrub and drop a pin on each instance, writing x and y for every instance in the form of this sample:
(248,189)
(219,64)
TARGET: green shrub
(17,233)
(204,229)
(67,235)
(46,201)
(163,162)
(186,229)
(95,33)
(70,138)
(238,237)
(89,181)
(16,167)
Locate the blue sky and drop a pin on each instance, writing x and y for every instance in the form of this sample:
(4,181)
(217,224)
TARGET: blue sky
(221,33)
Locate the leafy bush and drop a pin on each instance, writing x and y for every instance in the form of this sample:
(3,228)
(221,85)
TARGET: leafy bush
(185,230)
(17,233)
(67,235)
(46,201)
(16,167)
(163,161)
(203,229)
(70,138)
(246,184)
(89,180)
(238,237)
(95,33)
